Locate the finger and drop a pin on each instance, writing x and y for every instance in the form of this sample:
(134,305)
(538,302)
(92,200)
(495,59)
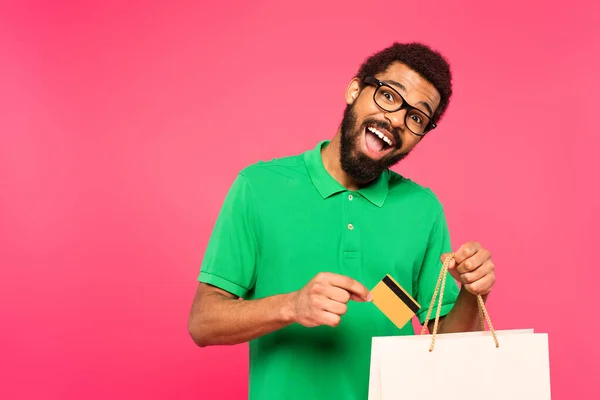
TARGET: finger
(355,297)
(336,294)
(334,307)
(452,269)
(473,262)
(444,256)
(465,251)
(328,318)
(470,277)
(351,285)
(452,265)
(482,286)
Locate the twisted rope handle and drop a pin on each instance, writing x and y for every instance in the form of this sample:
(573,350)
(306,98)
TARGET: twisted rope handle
(440,285)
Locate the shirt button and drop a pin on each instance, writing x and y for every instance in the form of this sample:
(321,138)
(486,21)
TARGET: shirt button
(350,226)
(350,197)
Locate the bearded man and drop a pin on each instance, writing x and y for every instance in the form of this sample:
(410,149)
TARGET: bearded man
(300,239)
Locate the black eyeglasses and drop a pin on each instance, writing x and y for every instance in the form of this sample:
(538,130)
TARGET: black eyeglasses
(388,99)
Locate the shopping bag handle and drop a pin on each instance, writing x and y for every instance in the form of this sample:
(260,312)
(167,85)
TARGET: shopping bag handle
(483,314)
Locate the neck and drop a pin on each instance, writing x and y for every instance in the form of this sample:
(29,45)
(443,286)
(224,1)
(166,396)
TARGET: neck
(331,160)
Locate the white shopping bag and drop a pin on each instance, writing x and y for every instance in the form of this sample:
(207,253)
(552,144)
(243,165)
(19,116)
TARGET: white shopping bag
(492,365)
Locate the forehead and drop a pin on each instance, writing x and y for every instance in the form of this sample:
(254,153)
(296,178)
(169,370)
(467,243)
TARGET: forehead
(417,88)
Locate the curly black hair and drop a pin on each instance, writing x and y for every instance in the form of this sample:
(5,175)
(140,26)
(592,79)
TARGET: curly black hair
(428,63)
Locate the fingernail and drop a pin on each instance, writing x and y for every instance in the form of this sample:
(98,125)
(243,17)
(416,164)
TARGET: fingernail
(369,297)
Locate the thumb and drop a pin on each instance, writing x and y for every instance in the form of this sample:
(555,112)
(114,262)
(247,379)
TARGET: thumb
(451,263)
(444,256)
(356,297)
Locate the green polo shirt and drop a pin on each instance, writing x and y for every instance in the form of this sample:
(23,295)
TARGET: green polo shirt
(285,220)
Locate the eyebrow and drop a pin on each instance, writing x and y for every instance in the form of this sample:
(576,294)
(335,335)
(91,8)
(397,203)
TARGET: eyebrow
(401,86)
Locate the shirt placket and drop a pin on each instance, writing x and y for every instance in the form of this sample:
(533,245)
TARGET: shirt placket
(351,249)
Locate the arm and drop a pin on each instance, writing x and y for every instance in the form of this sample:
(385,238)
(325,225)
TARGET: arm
(464,316)
(218,317)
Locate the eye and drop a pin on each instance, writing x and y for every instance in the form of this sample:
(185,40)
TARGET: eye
(417,118)
(388,96)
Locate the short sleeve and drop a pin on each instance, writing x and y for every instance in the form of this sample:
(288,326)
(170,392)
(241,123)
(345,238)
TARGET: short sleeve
(439,243)
(232,251)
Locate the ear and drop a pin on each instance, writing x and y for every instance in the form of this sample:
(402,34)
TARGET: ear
(353,90)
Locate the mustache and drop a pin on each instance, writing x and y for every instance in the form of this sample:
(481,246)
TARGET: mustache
(384,125)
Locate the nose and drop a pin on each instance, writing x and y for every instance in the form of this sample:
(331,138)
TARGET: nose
(396,119)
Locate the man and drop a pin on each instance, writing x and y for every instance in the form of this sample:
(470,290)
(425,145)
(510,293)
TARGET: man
(300,240)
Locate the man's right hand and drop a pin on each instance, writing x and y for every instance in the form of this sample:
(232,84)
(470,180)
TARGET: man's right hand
(323,300)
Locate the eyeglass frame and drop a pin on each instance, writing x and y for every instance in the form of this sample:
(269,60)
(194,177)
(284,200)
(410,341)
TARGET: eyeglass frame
(371,80)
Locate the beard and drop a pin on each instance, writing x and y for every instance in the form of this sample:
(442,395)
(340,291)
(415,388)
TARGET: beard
(355,163)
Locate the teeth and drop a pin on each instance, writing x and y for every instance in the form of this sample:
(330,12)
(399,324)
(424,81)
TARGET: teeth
(380,135)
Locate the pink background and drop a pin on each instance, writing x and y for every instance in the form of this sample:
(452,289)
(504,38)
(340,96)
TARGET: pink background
(123,124)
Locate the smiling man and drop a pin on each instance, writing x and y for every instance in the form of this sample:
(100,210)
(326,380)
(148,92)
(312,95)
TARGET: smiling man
(300,240)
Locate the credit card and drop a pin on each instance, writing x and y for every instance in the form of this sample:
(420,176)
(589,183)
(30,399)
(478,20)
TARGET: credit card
(394,301)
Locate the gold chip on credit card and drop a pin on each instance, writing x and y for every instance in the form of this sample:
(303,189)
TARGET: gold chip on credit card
(394,302)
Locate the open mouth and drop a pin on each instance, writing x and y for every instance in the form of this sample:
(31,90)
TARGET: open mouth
(377,142)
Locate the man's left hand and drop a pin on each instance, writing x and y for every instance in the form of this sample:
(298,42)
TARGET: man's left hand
(473,267)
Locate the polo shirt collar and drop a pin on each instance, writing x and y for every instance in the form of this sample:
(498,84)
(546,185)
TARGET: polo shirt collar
(326,185)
